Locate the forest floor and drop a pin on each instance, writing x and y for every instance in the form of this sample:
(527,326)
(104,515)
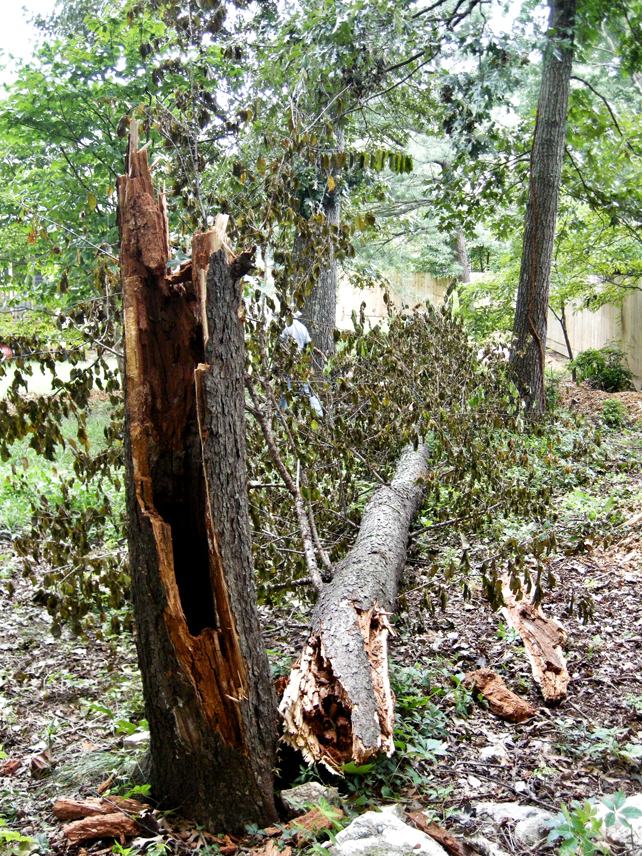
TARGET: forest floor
(71,711)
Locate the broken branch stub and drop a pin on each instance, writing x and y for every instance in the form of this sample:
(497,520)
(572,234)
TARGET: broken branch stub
(543,640)
(338,705)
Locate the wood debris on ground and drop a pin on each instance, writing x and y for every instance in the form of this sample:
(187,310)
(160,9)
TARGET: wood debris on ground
(543,639)
(452,845)
(500,699)
(73,809)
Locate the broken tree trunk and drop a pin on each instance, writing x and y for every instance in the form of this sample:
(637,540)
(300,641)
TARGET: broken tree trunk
(338,705)
(209,698)
(543,640)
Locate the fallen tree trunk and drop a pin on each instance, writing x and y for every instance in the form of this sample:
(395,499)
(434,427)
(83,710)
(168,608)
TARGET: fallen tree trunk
(208,692)
(338,705)
(543,640)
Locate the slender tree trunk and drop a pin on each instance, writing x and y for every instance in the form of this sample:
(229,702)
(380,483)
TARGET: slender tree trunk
(338,705)
(462,256)
(529,329)
(208,693)
(319,312)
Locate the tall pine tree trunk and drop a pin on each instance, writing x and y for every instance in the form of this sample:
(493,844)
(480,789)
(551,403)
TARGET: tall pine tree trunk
(529,329)
(208,694)
(319,312)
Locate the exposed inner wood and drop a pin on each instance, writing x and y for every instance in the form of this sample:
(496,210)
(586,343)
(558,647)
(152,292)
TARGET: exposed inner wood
(164,346)
(543,639)
(338,705)
(73,809)
(500,699)
(117,825)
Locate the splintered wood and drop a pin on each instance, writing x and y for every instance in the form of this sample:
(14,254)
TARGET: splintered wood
(338,705)
(116,825)
(543,640)
(317,709)
(500,699)
(71,809)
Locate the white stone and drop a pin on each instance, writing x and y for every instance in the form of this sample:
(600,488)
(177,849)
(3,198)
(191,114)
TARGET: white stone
(494,752)
(384,833)
(299,799)
(630,839)
(529,821)
(486,847)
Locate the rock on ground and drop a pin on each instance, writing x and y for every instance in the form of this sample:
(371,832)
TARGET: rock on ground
(529,821)
(630,839)
(384,833)
(299,799)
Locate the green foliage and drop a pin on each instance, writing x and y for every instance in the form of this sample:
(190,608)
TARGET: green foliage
(614,413)
(14,844)
(575,828)
(603,369)
(618,811)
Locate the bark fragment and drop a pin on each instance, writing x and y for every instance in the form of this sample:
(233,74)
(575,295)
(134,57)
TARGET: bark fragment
(338,705)
(543,640)
(117,825)
(71,809)
(500,699)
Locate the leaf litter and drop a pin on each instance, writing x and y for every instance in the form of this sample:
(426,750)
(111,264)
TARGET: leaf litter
(72,718)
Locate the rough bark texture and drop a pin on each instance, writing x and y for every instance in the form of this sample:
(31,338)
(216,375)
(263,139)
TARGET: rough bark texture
(529,329)
(462,256)
(206,680)
(338,705)
(319,312)
(543,640)
(500,699)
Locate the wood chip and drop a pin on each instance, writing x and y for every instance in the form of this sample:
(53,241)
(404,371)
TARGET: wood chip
(117,825)
(313,822)
(500,699)
(442,836)
(270,848)
(71,809)
(10,767)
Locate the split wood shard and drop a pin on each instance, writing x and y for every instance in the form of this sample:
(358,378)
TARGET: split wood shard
(543,640)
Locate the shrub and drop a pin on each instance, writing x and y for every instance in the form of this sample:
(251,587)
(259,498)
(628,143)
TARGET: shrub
(603,369)
(614,413)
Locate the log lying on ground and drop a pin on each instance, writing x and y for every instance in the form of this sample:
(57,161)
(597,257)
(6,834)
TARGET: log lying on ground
(338,705)
(67,808)
(543,640)
(117,825)
(500,699)
(208,692)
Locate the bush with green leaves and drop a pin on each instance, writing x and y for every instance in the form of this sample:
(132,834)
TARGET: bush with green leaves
(614,413)
(603,369)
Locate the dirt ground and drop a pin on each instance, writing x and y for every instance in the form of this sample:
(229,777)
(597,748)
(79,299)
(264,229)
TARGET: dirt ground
(71,708)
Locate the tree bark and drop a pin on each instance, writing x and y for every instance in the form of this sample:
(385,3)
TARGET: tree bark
(462,256)
(206,679)
(338,705)
(530,325)
(319,312)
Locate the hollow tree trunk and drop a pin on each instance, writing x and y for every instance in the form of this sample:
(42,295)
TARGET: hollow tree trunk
(319,312)
(338,705)
(208,694)
(529,328)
